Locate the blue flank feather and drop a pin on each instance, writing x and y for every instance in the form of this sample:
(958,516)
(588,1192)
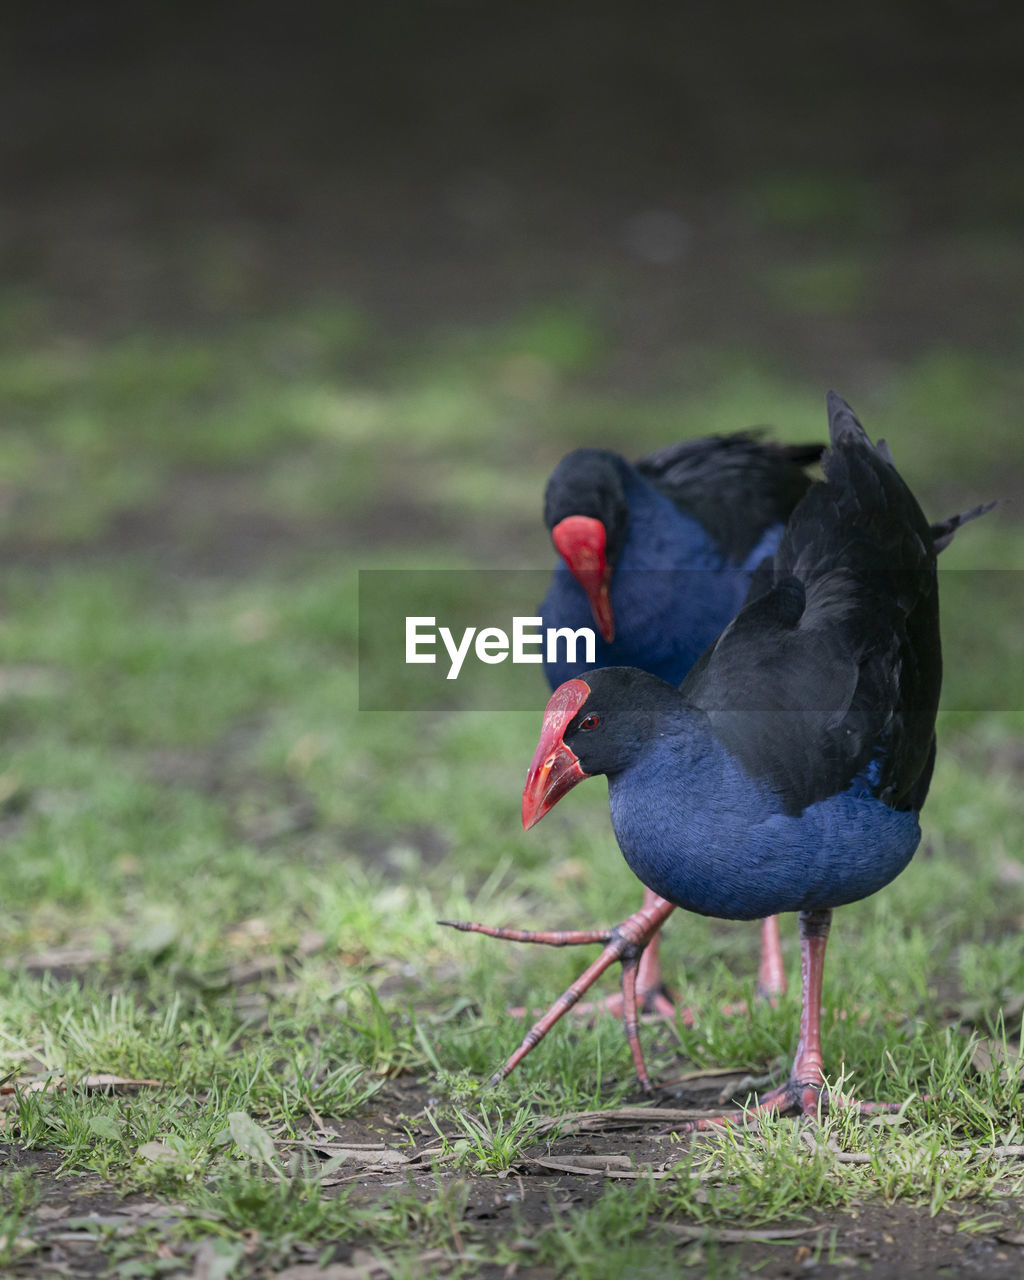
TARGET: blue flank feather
(720,845)
(672,591)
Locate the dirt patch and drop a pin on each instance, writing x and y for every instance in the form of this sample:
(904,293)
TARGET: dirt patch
(71,1214)
(79,1220)
(887,1240)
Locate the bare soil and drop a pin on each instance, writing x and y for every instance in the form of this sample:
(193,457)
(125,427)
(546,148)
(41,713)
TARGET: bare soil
(882,1240)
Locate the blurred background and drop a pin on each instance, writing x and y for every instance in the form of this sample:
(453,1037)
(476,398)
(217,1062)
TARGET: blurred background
(294,291)
(483,235)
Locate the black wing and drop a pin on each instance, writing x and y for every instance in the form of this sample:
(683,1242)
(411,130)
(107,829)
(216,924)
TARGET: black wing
(737,485)
(833,667)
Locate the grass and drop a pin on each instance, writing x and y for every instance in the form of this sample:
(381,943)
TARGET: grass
(222,878)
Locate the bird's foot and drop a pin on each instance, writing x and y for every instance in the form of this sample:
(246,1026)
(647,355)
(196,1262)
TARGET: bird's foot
(795,1097)
(624,943)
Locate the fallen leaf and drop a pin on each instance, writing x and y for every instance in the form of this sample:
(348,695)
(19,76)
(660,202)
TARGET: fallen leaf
(71,957)
(250,1138)
(155,939)
(99,1083)
(336,1271)
(364,1266)
(82,1236)
(618,1116)
(116,1084)
(157,1153)
(105,1127)
(987,1054)
(1010,871)
(349,1165)
(387,1158)
(605,1162)
(733,1235)
(705,1073)
(329,1147)
(603,1171)
(216,1259)
(51,1212)
(150,1209)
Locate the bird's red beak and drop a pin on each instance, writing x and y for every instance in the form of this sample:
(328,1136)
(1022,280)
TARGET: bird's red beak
(580,541)
(554,769)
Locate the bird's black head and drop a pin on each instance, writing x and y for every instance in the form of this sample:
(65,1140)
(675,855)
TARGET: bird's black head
(587,514)
(588,482)
(599,723)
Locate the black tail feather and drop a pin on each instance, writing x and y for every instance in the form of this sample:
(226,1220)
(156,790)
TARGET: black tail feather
(843,423)
(943,530)
(884,450)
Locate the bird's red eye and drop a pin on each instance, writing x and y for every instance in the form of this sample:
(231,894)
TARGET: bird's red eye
(590,722)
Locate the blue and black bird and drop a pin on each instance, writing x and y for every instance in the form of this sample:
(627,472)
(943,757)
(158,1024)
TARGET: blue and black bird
(788,770)
(657,556)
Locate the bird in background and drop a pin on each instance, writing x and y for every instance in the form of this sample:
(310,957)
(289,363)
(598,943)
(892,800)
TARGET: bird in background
(788,770)
(657,556)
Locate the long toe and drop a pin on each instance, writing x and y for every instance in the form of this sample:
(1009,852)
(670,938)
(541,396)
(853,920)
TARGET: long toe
(624,944)
(796,1098)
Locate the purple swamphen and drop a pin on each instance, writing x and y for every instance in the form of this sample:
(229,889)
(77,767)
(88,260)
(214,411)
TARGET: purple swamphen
(788,770)
(657,556)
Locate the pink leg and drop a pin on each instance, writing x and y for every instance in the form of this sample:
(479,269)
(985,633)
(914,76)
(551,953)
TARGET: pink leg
(651,993)
(805,1088)
(649,987)
(625,943)
(808,1067)
(653,996)
(771,976)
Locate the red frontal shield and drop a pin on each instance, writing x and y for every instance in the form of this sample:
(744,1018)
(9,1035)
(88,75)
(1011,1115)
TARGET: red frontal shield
(580,541)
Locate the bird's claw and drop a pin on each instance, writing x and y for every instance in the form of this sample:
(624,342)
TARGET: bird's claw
(796,1097)
(624,942)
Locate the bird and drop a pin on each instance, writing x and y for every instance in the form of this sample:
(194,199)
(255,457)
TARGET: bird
(788,770)
(657,555)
